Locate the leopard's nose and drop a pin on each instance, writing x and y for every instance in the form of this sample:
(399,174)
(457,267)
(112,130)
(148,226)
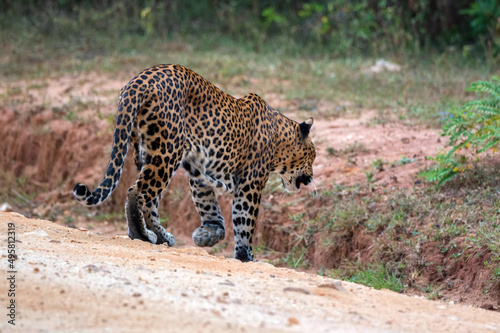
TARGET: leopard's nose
(306,180)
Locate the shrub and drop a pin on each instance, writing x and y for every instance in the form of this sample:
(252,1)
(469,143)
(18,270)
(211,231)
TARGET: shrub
(472,130)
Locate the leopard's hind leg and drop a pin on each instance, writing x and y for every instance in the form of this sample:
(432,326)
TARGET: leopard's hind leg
(142,205)
(152,219)
(157,159)
(137,229)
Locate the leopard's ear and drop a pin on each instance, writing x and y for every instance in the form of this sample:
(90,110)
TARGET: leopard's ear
(305,127)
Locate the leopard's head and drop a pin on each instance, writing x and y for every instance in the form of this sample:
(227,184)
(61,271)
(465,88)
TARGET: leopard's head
(295,168)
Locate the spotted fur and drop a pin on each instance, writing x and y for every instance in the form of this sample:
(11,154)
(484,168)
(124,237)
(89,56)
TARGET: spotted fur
(173,117)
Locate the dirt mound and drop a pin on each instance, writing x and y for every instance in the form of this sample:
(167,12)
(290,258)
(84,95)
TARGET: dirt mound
(463,273)
(48,149)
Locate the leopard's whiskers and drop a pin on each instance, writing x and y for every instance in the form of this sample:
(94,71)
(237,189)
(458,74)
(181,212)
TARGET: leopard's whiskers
(313,187)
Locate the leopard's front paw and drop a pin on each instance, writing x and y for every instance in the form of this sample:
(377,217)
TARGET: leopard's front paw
(208,235)
(243,253)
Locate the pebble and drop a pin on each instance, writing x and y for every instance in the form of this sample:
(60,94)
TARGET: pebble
(93,269)
(227,283)
(5,207)
(337,285)
(297,290)
(39,233)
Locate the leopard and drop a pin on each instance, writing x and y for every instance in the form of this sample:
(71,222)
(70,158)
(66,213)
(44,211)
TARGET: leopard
(172,117)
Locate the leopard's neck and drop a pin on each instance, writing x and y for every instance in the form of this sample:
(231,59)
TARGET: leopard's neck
(285,137)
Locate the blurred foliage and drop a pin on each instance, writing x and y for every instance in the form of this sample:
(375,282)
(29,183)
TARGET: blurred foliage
(336,26)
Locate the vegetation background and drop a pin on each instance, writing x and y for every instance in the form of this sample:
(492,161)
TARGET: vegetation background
(443,46)
(336,27)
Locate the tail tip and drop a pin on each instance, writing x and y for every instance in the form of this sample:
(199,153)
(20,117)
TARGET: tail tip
(81,192)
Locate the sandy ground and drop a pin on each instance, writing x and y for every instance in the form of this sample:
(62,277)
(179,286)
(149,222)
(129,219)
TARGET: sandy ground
(71,280)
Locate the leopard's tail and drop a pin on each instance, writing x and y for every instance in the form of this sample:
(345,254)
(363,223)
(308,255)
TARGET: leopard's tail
(131,99)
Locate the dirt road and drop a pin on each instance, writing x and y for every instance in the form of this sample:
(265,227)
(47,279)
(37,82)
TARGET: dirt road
(71,280)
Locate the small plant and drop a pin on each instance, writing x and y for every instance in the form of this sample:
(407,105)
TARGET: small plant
(433,292)
(322,271)
(332,151)
(369,176)
(69,221)
(494,265)
(474,129)
(295,258)
(297,217)
(378,164)
(164,220)
(219,248)
(404,160)
(379,277)
(355,148)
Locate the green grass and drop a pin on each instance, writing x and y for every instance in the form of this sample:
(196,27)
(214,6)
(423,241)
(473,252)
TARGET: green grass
(319,84)
(378,277)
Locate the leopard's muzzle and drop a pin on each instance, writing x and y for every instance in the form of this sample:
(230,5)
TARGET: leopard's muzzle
(303,179)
